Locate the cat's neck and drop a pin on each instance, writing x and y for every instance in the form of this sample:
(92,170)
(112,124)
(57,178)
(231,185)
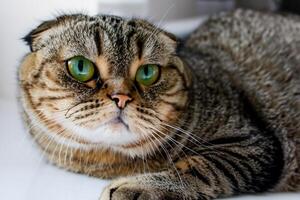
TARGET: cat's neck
(103,163)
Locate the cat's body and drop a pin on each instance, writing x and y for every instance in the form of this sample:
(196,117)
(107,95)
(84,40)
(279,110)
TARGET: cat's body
(227,124)
(258,54)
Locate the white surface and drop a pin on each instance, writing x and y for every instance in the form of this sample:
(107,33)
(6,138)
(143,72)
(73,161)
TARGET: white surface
(26,175)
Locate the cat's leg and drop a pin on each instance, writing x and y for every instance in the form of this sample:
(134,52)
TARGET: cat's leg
(194,178)
(235,165)
(156,186)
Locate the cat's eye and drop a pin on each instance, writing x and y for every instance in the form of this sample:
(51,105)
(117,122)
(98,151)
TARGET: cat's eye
(147,74)
(81,68)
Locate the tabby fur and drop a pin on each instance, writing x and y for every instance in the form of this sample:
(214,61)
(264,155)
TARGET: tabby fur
(223,119)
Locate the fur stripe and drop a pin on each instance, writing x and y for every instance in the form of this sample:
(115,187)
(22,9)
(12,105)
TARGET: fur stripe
(229,140)
(97,40)
(216,161)
(236,167)
(194,172)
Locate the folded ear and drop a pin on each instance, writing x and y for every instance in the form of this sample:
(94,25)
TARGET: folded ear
(34,36)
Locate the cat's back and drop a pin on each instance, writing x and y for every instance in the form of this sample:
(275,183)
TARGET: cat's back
(261,55)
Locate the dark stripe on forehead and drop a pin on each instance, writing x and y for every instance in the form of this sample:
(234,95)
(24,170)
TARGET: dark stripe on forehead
(98,41)
(139,41)
(140,47)
(121,36)
(130,33)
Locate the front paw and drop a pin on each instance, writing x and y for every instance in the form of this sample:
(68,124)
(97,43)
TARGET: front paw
(132,189)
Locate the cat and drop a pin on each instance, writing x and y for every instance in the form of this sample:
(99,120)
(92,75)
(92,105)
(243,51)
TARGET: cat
(215,115)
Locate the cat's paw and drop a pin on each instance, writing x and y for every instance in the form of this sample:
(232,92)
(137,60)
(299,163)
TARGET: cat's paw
(132,189)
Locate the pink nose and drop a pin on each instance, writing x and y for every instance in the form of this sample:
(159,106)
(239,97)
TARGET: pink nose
(121,100)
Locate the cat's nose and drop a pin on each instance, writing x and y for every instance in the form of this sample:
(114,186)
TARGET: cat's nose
(121,100)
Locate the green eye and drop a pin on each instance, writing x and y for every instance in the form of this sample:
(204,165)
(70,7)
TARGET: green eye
(147,74)
(81,68)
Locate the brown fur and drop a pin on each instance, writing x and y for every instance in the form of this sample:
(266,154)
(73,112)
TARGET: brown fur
(223,118)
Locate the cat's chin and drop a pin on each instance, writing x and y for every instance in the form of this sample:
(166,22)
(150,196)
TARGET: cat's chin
(113,133)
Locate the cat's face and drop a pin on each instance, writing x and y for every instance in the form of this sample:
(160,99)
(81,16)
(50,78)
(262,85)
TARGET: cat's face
(103,82)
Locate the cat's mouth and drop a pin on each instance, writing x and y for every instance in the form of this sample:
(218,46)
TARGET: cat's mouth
(118,122)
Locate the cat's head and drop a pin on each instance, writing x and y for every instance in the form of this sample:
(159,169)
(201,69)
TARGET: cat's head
(104,81)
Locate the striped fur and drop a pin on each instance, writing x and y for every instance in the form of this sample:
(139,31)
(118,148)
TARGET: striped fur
(223,118)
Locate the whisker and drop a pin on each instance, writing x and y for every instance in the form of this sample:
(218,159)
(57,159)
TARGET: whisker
(196,139)
(171,161)
(161,145)
(157,29)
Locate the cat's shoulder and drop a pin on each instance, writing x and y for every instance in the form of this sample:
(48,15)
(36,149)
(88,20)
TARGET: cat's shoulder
(243,27)
(248,21)
(251,18)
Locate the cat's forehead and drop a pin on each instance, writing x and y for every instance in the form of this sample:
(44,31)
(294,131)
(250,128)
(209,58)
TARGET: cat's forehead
(112,27)
(111,40)
(82,32)
(112,23)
